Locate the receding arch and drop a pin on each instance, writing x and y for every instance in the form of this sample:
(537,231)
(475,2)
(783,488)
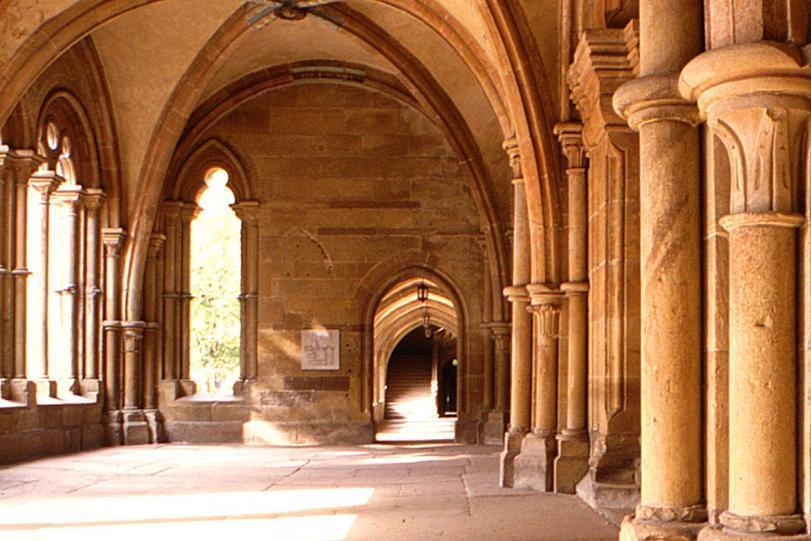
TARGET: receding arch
(211,153)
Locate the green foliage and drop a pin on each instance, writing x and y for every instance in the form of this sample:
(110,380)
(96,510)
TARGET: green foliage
(215,285)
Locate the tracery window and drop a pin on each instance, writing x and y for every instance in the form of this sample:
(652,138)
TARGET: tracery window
(215,287)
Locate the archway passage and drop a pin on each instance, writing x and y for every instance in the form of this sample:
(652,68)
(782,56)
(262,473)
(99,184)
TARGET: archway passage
(417,352)
(421,388)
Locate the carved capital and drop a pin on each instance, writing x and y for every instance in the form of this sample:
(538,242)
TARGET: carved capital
(570,135)
(113,239)
(69,195)
(156,242)
(21,164)
(548,319)
(514,155)
(516,294)
(654,98)
(189,211)
(93,199)
(766,147)
(247,211)
(45,183)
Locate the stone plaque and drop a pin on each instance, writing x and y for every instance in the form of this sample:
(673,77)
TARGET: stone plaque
(320,350)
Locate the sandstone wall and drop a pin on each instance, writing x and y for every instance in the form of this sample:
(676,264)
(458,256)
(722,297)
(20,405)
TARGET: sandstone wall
(354,187)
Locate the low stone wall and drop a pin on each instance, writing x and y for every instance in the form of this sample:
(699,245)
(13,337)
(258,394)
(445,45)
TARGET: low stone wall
(48,429)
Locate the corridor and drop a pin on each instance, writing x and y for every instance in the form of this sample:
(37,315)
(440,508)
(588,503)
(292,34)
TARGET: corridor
(371,492)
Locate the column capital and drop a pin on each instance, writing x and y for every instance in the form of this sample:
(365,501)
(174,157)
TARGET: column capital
(570,135)
(512,149)
(113,239)
(23,163)
(757,100)
(69,194)
(94,198)
(654,98)
(45,183)
(516,293)
(156,242)
(247,211)
(498,328)
(189,211)
(171,209)
(548,317)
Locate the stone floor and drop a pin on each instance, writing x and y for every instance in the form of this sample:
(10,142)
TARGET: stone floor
(406,492)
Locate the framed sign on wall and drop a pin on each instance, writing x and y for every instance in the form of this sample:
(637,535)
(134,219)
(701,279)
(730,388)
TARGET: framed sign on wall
(320,350)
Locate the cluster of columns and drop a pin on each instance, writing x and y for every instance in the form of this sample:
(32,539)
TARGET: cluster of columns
(756,99)
(539,451)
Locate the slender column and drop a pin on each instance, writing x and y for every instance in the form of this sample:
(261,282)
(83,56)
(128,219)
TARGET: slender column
(43,184)
(171,271)
(6,281)
(151,314)
(487,337)
(757,99)
(521,376)
(248,213)
(534,466)
(671,501)
(135,425)
(573,445)
(501,337)
(71,198)
(92,201)
(24,164)
(187,214)
(113,239)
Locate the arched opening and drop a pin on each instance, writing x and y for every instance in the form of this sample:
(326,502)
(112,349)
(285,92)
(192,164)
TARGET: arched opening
(417,352)
(215,288)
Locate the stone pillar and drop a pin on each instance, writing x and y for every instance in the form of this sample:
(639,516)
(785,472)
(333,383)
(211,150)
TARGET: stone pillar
(671,503)
(6,280)
(521,367)
(135,429)
(43,184)
(22,164)
(70,197)
(534,465)
(248,213)
(153,292)
(571,463)
(497,418)
(606,57)
(171,284)
(93,199)
(757,100)
(113,239)
(187,214)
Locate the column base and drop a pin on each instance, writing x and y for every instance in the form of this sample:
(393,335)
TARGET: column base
(572,462)
(68,389)
(719,533)
(243,387)
(23,391)
(5,389)
(135,429)
(494,428)
(634,529)
(92,389)
(46,387)
(172,389)
(506,466)
(113,429)
(534,465)
(154,423)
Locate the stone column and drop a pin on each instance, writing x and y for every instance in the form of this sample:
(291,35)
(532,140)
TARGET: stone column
(573,443)
(757,100)
(43,184)
(521,367)
(22,165)
(113,239)
(487,337)
(70,196)
(171,271)
(93,199)
(135,429)
(6,280)
(672,496)
(151,314)
(534,465)
(497,418)
(187,214)
(248,213)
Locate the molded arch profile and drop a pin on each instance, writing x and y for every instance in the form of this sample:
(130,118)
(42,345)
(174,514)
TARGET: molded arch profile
(211,154)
